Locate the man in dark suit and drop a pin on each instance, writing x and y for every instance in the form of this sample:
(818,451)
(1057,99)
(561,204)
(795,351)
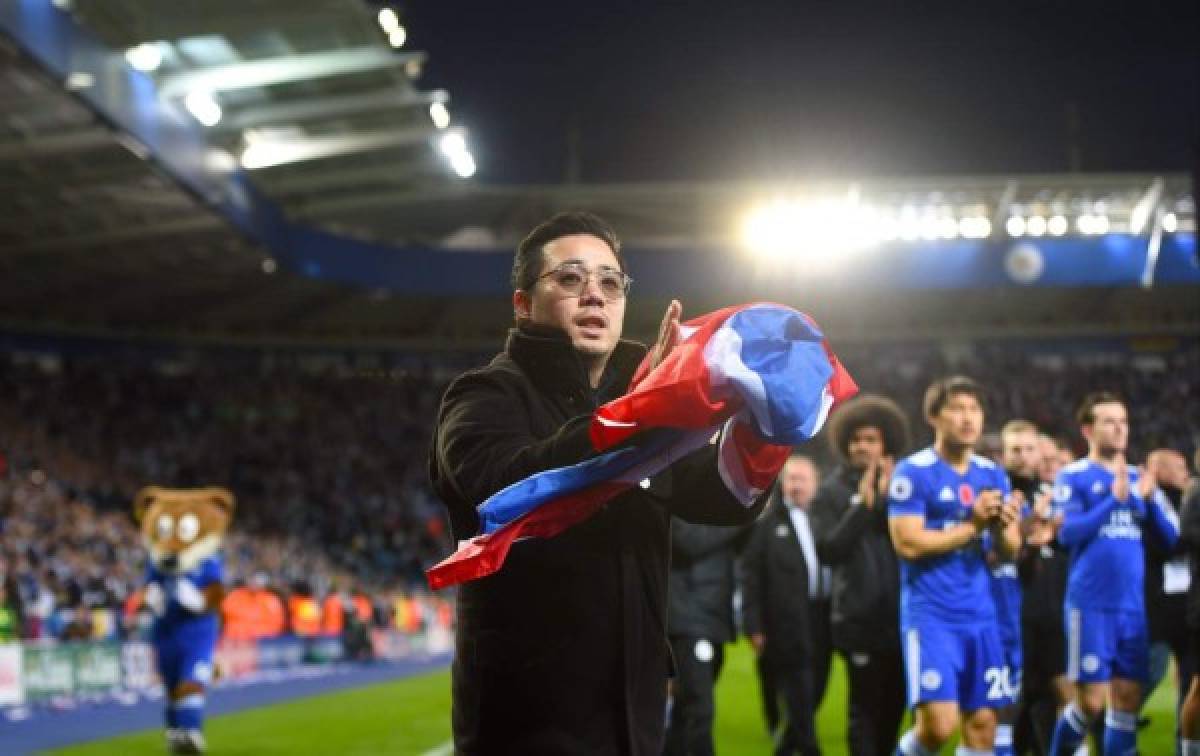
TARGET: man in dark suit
(699,624)
(564,650)
(782,584)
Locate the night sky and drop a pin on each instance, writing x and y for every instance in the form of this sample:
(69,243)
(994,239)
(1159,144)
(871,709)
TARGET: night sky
(774,90)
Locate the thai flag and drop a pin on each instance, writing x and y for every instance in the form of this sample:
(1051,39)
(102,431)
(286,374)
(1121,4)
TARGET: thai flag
(758,378)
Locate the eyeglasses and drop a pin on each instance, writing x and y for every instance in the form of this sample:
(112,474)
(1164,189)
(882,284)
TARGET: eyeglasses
(573,279)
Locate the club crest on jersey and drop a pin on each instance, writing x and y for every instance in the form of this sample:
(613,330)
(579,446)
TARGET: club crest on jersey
(946,494)
(1098,487)
(901,488)
(966,494)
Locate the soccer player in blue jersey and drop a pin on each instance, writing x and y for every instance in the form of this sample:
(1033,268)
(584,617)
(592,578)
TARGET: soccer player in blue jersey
(949,507)
(1106,504)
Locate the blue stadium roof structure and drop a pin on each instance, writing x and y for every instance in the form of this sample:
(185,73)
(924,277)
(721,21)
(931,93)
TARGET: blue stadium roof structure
(272,168)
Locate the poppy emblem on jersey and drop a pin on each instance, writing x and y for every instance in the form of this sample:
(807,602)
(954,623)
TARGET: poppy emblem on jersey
(966,494)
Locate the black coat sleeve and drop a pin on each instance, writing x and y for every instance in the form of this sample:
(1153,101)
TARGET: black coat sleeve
(484,442)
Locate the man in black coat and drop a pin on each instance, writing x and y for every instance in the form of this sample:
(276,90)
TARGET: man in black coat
(564,650)
(850,518)
(699,624)
(782,580)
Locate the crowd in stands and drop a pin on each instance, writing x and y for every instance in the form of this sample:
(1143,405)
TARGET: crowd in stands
(328,466)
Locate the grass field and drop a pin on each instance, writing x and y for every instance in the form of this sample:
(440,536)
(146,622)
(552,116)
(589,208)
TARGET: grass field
(412,717)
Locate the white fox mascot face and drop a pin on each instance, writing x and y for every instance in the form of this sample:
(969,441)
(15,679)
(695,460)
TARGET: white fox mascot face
(182,527)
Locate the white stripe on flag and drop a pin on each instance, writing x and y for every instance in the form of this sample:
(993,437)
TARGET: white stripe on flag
(723,357)
(729,466)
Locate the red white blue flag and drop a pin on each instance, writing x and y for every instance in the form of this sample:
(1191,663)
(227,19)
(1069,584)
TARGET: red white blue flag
(760,378)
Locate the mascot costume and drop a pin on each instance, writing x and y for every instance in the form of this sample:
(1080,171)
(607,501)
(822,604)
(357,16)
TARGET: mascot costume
(182,530)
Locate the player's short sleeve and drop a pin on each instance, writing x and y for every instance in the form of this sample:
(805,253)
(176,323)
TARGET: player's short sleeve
(904,492)
(1067,500)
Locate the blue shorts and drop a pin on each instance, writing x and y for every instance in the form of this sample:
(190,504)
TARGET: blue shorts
(186,659)
(960,663)
(1014,662)
(1103,644)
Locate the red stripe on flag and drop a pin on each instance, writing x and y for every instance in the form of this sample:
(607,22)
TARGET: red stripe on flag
(485,554)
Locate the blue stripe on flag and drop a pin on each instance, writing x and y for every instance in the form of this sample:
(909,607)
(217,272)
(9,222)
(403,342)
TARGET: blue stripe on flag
(788,354)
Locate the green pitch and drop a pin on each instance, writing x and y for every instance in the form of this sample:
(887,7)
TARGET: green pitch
(413,717)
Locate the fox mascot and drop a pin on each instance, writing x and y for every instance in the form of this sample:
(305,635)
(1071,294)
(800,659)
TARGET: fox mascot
(182,530)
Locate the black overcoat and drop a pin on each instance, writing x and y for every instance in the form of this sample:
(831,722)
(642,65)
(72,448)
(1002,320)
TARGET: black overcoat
(564,650)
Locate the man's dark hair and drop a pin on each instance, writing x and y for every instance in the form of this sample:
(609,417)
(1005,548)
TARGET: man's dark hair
(940,391)
(869,411)
(1086,414)
(527,263)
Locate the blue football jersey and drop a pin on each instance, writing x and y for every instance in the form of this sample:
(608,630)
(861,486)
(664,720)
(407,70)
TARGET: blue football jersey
(952,587)
(176,617)
(1104,536)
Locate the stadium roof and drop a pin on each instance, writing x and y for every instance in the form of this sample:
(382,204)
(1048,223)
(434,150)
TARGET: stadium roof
(99,230)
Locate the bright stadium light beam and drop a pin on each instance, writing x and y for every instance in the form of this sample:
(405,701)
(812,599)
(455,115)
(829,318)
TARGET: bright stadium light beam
(1015,226)
(146,57)
(388,20)
(463,164)
(975,227)
(439,115)
(453,143)
(1057,225)
(203,107)
(1035,225)
(815,234)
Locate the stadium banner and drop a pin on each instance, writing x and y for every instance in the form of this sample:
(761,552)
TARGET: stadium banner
(323,649)
(12,688)
(236,658)
(97,667)
(137,666)
(281,652)
(49,671)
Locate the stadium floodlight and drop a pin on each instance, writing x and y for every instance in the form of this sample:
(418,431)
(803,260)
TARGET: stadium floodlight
(1015,226)
(910,224)
(947,228)
(146,57)
(388,20)
(452,144)
(440,115)
(1170,223)
(269,266)
(397,37)
(1057,225)
(1035,225)
(929,226)
(463,164)
(203,107)
(975,227)
(813,232)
